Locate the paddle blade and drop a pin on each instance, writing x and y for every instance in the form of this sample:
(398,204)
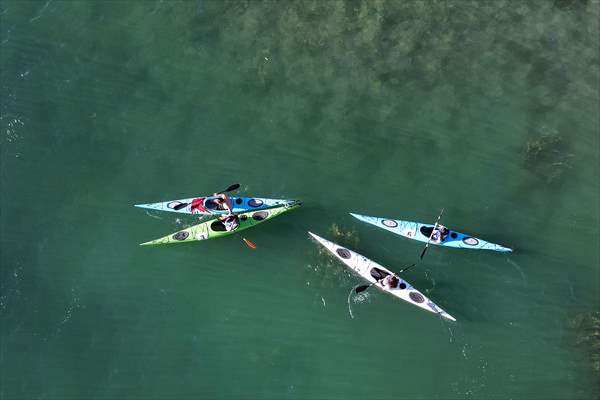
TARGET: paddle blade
(231,188)
(249,244)
(362,288)
(423,253)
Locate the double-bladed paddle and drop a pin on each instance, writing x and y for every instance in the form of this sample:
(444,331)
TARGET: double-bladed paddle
(229,189)
(430,236)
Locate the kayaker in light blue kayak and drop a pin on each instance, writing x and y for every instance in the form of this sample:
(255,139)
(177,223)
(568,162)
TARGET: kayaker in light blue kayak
(439,234)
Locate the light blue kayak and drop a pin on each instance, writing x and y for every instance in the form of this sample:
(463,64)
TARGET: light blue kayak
(206,206)
(422,232)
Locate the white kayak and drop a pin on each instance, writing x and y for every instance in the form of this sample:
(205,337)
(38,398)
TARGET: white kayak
(373,272)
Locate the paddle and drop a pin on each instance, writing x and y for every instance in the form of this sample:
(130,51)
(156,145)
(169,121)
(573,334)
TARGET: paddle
(229,189)
(249,243)
(430,236)
(364,287)
(407,268)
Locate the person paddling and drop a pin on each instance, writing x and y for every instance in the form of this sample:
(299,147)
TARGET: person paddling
(439,234)
(220,201)
(230,221)
(389,282)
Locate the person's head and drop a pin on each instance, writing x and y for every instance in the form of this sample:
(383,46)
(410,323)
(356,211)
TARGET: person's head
(394,281)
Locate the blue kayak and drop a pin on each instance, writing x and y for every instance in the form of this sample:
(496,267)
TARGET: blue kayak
(422,233)
(205,205)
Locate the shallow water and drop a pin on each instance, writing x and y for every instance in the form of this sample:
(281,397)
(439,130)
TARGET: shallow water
(488,110)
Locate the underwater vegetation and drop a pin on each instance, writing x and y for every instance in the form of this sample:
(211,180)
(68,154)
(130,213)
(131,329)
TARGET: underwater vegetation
(330,69)
(344,237)
(330,270)
(586,328)
(546,155)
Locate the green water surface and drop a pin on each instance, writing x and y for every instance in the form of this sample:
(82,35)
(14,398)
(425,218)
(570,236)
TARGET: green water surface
(488,109)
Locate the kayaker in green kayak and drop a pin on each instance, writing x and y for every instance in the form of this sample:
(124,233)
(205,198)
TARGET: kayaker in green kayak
(231,222)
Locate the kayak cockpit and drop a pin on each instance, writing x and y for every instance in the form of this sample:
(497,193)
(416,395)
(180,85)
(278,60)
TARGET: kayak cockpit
(427,230)
(210,203)
(378,274)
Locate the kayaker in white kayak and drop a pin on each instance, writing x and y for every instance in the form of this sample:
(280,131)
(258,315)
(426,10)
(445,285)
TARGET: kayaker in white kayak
(439,234)
(389,282)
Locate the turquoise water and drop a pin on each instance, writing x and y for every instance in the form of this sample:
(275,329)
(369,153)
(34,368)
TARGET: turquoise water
(398,109)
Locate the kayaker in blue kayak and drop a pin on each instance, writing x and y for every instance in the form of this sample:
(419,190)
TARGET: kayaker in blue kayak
(219,201)
(439,234)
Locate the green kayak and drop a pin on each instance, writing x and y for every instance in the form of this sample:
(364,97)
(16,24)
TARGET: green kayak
(214,228)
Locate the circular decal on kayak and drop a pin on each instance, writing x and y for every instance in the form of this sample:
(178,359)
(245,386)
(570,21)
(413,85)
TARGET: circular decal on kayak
(471,241)
(402,285)
(454,235)
(181,235)
(238,201)
(390,223)
(174,204)
(260,215)
(416,297)
(344,253)
(255,202)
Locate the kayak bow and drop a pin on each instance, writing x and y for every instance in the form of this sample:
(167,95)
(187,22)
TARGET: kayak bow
(422,232)
(372,272)
(214,228)
(205,205)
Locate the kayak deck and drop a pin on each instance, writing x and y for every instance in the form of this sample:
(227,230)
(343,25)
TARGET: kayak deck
(369,269)
(214,228)
(202,205)
(421,232)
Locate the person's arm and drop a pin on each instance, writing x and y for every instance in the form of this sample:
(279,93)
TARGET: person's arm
(228,203)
